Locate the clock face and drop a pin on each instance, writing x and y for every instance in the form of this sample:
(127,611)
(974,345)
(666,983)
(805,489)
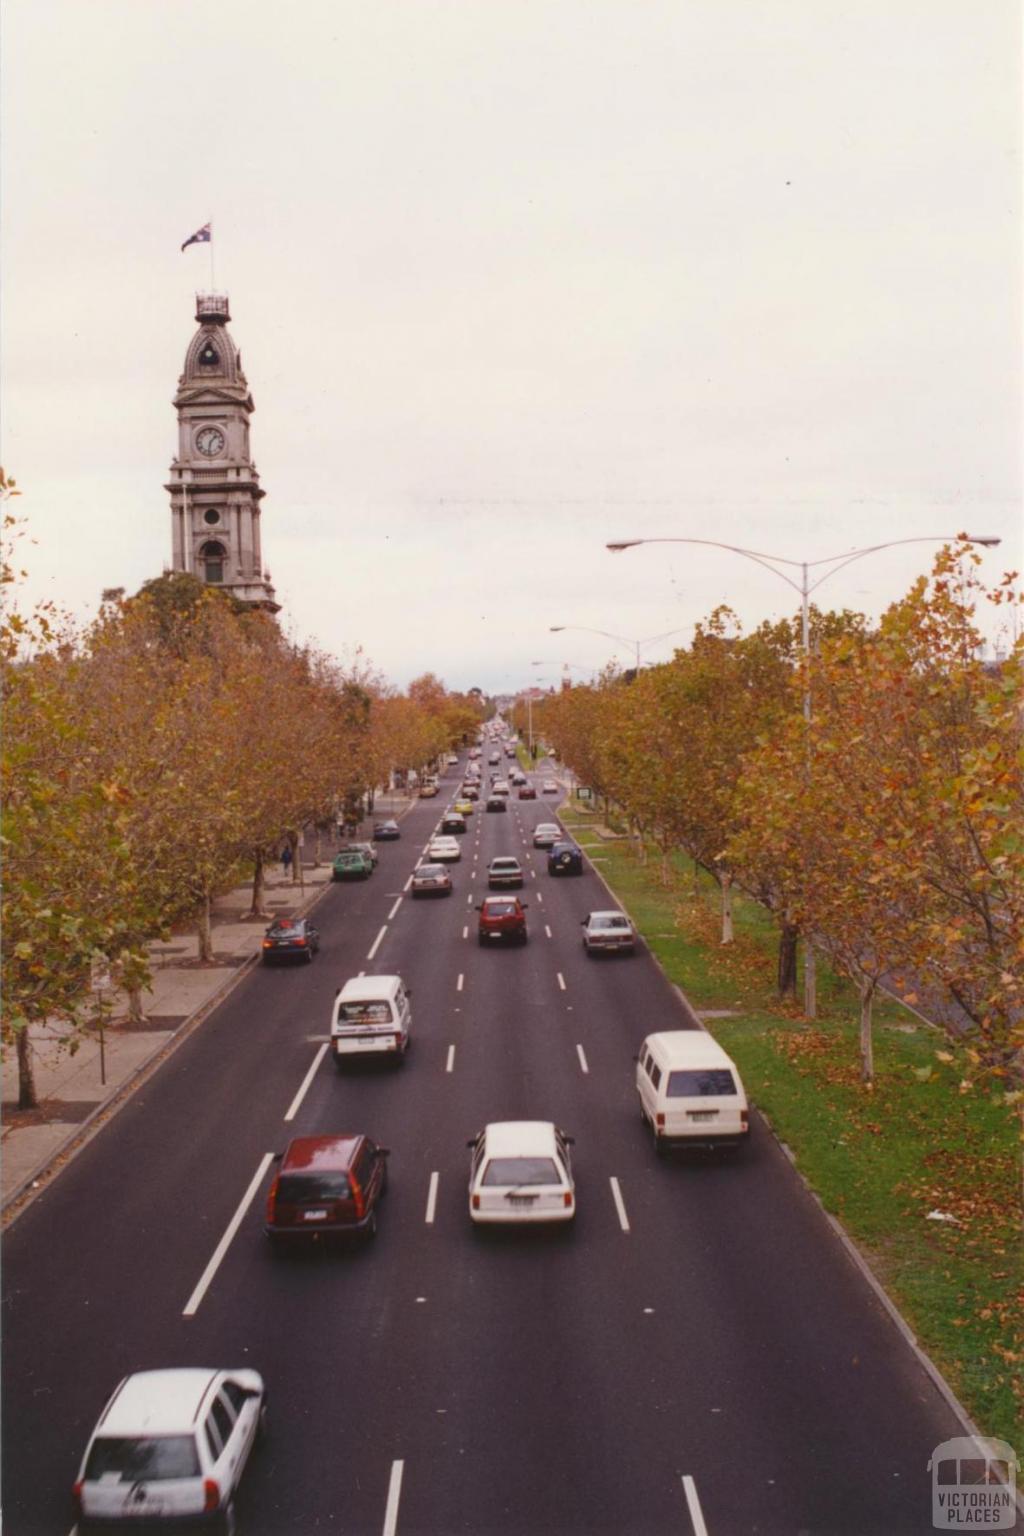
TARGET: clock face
(210,441)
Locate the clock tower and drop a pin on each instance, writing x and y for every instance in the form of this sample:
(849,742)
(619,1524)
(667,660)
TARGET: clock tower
(214,488)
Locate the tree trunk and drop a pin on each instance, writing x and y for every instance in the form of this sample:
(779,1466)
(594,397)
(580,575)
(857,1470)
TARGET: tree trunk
(259,872)
(867,1053)
(666,868)
(788,938)
(26,1077)
(293,843)
(725,881)
(810,981)
(696,878)
(203,930)
(133,995)
(316,845)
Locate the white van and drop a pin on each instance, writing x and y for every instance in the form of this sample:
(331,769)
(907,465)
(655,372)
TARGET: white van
(372,1014)
(690,1091)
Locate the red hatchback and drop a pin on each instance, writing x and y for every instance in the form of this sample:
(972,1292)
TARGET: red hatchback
(327,1186)
(502,918)
(527,792)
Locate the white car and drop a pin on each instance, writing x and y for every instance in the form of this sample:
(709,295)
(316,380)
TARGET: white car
(499,787)
(545,833)
(443,850)
(171,1446)
(521,1170)
(549,787)
(452,760)
(504,871)
(607,933)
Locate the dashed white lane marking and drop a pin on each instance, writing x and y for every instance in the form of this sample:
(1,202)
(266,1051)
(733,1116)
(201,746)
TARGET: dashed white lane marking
(458,984)
(394,1494)
(317,1059)
(377,942)
(547,930)
(394,909)
(450,1063)
(465,933)
(561,980)
(533,874)
(431,1200)
(192,1305)
(583,1060)
(617,1197)
(693,1505)
(469,900)
(540,896)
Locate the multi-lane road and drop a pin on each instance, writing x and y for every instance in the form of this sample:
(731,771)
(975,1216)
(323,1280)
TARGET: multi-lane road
(696,1354)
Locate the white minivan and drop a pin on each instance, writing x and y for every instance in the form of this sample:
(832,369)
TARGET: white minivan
(372,1015)
(690,1091)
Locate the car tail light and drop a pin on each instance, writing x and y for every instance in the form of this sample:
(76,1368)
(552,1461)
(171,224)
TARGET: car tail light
(76,1494)
(357,1195)
(567,1200)
(298,943)
(476,1202)
(268,943)
(660,1120)
(272,1201)
(744,1120)
(211,1495)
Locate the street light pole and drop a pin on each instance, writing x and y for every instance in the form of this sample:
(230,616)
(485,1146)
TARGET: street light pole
(805,587)
(557,629)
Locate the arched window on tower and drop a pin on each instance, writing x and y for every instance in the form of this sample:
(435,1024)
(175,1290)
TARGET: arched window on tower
(209,357)
(212,556)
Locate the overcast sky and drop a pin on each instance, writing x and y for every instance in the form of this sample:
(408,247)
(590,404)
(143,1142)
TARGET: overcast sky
(512,278)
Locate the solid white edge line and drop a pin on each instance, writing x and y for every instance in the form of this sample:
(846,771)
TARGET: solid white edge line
(561,980)
(583,1059)
(432,1199)
(394,1494)
(317,1059)
(377,942)
(394,909)
(192,1305)
(619,1206)
(458,984)
(407,884)
(693,1504)
(450,1063)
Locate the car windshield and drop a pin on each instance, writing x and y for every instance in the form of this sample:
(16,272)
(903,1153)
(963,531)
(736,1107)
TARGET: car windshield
(701,1084)
(365,1013)
(142,1459)
(609,922)
(515,1171)
(301,1188)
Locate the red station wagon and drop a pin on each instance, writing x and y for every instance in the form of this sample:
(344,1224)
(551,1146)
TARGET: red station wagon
(327,1186)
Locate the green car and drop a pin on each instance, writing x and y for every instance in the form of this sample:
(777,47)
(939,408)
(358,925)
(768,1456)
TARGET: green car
(350,864)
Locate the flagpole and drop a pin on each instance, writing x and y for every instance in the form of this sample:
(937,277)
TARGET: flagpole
(213,280)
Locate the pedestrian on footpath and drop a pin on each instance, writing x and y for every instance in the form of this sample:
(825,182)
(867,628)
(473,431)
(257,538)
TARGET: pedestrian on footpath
(286,858)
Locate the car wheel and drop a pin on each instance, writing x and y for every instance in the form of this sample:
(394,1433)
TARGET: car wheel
(261,1424)
(339,1065)
(481,939)
(371,1226)
(309,956)
(227,1525)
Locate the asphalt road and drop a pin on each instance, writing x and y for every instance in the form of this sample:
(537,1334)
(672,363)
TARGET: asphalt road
(695,1356)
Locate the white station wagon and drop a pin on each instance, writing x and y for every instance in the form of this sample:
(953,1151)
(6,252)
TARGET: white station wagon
(171,1446)
(521,1170)
(443,850)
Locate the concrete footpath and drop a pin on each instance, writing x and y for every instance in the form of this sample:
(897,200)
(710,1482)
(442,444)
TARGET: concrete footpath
(76,1090)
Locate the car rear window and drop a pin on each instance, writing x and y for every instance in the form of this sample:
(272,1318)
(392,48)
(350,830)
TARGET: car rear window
(505,1171)
(702,1084)
(142,1459)
(364,1013)
(608,922)
(499,908)
(301,1188)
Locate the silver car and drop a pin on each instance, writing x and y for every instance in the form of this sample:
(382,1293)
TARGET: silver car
(608,933)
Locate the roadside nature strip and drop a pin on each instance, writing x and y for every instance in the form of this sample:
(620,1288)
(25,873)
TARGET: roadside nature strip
(921,1175)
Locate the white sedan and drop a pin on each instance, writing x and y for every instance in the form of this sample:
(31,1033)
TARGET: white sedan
(545,833)
(521,1170)
(443,850)
(608,933)
(549,787)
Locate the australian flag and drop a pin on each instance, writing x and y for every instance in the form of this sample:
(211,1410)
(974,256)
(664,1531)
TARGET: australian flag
(201,236)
